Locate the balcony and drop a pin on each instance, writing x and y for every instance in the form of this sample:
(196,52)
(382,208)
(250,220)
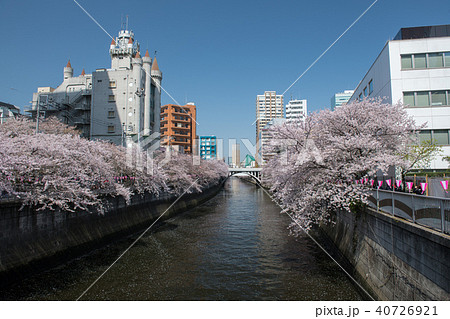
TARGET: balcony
(180,128)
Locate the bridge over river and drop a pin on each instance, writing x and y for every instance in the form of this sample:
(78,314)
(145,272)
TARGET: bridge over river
(253,172)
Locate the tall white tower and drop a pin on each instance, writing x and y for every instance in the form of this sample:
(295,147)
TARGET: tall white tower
(147,61)
(68,71)
(156,82)
(123,49)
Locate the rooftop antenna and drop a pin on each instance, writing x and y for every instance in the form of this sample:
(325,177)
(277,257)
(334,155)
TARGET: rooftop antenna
(155,53)
(127,23)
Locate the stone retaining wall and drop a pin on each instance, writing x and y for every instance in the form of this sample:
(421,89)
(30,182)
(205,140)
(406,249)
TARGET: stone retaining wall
(32,240)
(395,259)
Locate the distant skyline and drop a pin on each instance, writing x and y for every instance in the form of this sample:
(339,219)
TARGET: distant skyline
(219,55)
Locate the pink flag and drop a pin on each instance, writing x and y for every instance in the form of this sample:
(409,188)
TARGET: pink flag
(444,185)
(409,185)
(388,181)
(423,186)
(380,183)
(357,182)
(371,182)
(398,182)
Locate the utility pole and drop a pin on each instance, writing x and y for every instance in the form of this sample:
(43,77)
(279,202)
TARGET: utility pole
(37,113)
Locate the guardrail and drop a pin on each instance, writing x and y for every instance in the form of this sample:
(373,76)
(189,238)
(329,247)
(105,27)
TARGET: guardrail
(433,212)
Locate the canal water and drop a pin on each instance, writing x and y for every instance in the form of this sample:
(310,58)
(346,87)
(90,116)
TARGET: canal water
(236,246)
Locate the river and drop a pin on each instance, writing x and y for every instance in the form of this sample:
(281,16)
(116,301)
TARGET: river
(236,246)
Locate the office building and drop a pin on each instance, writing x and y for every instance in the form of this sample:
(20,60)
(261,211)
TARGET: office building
(120,104)
(208,147)
(414,69)
(268,106)
(235,155)
(341,98)
(178,126)
(296,110)
(7,111)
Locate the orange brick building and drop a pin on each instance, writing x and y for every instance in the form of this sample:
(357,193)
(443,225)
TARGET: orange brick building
(178,126)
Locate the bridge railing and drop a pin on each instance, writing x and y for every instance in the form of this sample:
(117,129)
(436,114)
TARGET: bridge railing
(433,212)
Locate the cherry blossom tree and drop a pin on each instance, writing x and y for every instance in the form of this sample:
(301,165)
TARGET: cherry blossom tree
(315,163)
(58,168)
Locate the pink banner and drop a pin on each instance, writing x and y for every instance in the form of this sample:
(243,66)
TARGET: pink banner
(371,182)
(444,185)
(398,182)
(409,185)
(423,186)
(388,181)
(380,183)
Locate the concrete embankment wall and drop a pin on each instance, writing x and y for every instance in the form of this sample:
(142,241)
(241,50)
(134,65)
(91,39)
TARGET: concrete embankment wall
(394,259)
(33,240)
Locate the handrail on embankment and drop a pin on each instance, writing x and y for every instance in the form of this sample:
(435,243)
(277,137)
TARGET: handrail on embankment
(432,212)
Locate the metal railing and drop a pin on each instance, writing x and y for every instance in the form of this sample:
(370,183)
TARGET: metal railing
(433,212)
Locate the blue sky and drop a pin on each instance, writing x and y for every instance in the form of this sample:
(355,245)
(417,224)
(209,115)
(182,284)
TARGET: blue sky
(218,54)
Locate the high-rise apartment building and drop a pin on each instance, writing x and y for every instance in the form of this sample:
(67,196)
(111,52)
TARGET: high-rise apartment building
(265,137)
(268,106)
(296,110)
(178,126)
(208,147)
(414,69)
(235,155)
(340,98)
(120,104)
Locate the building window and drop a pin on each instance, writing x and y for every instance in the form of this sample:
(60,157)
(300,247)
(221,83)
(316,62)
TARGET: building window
(370,87)
(365,91)
(422,99)
(435,60)
(440,137)
(111,128)
(420,61)
(111,114)
(406,62)
(111,98)
(425,136)
(425,98)
(438,98)
(425,60)
(447,59)
(360,97)
(112,84)
(408,98)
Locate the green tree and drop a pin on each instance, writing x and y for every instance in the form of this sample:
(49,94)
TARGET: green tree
(420,154)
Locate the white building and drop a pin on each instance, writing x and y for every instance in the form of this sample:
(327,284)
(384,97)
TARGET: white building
(268,106)
(296,110)
(341,98)
(121,104)
(8,110)
(414,69)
